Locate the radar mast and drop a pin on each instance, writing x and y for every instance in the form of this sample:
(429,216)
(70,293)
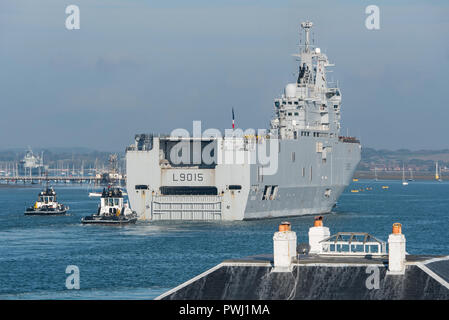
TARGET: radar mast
(307,25)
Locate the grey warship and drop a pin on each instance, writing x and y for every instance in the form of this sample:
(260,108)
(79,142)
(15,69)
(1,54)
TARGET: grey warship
(314,162)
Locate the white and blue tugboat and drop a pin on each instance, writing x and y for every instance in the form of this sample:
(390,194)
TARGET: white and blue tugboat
(112,210)
(47,205)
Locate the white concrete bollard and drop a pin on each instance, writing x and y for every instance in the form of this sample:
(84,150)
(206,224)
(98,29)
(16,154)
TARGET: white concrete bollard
(396,251)
(316,234)
(284,242)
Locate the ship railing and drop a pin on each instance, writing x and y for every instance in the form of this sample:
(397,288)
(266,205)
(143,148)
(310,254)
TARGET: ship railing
(353,243)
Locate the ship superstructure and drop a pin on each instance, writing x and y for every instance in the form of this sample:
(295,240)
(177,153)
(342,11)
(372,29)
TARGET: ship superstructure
(176,177)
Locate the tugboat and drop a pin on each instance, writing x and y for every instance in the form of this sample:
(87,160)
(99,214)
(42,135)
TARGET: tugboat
(46,204)
(112,210)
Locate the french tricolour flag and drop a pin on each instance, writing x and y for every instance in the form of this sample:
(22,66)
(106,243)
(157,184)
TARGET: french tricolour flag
(232,118)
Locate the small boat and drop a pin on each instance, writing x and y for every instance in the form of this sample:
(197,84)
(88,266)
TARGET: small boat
(404,183)
(354,190)
(411,176)
(47,205)
(112,210)
(385,187)
(355,179)
(437,173)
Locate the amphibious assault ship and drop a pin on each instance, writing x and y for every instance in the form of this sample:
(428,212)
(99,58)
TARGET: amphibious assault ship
(210,177)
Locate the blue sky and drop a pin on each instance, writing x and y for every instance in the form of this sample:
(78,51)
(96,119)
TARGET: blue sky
(152,66)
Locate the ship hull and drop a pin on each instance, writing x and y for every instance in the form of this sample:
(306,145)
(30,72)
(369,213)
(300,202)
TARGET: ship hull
(108,222)
(46,212)
(298,201)
(306,182)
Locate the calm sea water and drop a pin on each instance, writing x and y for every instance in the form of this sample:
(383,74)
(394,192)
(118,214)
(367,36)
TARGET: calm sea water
(144,260)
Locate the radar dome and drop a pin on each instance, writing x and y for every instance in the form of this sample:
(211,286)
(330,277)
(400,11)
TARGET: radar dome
(290,90)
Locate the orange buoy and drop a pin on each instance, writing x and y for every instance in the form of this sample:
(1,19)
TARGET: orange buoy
(318,221)
(285,226)
(397,228)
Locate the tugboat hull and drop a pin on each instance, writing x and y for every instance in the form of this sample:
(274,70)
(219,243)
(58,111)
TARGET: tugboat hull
(45,212)
(107,221)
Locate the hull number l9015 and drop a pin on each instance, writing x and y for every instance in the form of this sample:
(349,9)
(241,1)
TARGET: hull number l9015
(181,177)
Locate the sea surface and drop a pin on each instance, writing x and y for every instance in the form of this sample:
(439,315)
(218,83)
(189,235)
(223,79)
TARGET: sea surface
(144,260)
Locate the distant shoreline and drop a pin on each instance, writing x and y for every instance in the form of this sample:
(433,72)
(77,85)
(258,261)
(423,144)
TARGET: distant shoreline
(397,176)
(15,186)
